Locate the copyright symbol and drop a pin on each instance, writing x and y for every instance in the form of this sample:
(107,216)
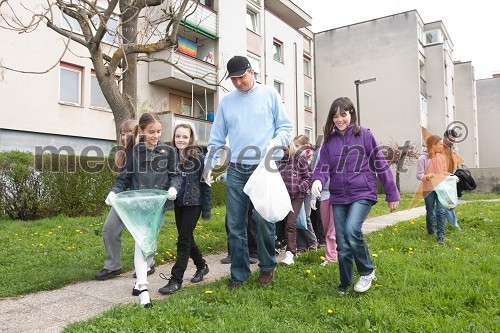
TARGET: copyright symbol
(461,130)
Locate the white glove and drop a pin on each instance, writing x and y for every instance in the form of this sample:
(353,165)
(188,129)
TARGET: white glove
(313,204)
(172,194)
(110,198)
(316,188)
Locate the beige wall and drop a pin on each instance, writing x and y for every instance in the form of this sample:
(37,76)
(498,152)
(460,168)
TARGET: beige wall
(466,112)
(488,116)
(386,48)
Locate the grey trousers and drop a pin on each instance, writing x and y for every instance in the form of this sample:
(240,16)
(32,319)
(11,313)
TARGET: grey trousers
(112,237)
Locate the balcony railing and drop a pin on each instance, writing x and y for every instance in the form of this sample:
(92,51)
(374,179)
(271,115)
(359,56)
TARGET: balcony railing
(203,20)
(173,76)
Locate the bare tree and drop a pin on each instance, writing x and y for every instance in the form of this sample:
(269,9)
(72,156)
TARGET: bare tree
(400,157)
(145,28)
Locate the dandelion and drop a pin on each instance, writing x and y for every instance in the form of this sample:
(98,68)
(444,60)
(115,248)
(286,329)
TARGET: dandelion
(329,311)
(322,258)
(50,233)
(457,248)
(77,230)
(374,255)
(308,271)
(41,244)
(392,249)
(59,227)
(208,292)
(410,248)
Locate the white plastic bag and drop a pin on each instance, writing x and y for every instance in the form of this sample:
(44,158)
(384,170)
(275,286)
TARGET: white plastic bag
(268,192)
(447,192)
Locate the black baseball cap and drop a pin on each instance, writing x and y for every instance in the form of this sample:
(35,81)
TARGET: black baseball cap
(237,66)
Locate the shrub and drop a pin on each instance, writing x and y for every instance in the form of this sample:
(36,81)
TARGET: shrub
(21,187)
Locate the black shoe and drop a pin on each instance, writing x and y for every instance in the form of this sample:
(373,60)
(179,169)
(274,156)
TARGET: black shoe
(200,273)
(440,240)
(170,288)
(226,260)
(105,274)
(234,285)
(151,271)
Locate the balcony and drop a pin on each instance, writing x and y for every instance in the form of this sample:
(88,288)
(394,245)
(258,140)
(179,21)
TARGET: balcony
(203,20)
(173,76)
(170,119)
(290,13)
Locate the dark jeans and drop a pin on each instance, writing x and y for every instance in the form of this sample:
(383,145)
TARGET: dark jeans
(186,218)
(251,233)
(317,224)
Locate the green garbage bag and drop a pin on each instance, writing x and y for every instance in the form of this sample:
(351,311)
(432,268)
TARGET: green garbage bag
(142,212)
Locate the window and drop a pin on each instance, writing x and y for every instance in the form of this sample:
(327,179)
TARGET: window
(111,26)
(280,87)
(432,37)
(70,84)
(69,23)
(252,21)
(307,101)
(97,99)
(278,50)
(307,66)
(255,62)
(308,132)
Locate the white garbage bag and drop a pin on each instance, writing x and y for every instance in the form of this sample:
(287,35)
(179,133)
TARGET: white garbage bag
(447,192)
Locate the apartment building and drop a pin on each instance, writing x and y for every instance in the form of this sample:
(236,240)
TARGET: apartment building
(488,114)
(63,107)
(415,79)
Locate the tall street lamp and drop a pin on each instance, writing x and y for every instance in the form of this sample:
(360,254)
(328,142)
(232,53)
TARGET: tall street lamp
(357,83)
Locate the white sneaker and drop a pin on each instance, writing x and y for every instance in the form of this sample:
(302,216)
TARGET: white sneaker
(365,282)
(324,263)
(288,260)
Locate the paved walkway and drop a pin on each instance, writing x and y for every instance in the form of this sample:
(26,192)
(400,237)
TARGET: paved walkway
(51,311)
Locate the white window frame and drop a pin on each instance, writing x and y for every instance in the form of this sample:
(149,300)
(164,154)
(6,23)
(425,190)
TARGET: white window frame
(252,20)
(93,81)
(307,101)
(278,50)
(280,87)
(307,66)
(111,26)
(308,131)
(71,69)
(70,24)
(255,63)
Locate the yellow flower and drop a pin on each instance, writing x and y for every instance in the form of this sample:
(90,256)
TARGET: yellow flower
(410,248)
(457,248)
(392,249)
(41,244)
(322,258)
(375,255)
(329,311)
(208,292)
(77,230)
(308,271)
(59,227)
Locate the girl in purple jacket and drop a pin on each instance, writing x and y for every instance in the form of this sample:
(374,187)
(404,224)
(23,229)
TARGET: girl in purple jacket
(351,158)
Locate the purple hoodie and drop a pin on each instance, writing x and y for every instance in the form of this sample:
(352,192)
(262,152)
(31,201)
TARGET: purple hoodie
(353,173)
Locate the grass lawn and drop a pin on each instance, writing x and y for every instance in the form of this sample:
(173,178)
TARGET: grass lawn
(421,286)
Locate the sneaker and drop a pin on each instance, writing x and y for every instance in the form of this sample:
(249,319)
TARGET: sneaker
(253,260)
(266,277)
(105,274)
(440,240)
(200,273)
(226,260)
(171,287)
(324,263)
(288,260)
(321,245)
(365,282)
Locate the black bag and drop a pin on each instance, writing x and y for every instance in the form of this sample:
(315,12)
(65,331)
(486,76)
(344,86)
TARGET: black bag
(466,181)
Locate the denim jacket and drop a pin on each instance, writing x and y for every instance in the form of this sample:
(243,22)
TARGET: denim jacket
(196,191)
(149,169)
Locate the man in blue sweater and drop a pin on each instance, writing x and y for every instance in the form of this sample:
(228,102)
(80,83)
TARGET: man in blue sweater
(253,119)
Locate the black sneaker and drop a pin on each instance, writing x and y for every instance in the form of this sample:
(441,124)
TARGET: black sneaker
(171,287)
(200,273)
(440,240)
(151,271)
(226,260)
(105,274)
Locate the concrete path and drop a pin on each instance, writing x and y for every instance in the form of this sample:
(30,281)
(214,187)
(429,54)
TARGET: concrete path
(51,311)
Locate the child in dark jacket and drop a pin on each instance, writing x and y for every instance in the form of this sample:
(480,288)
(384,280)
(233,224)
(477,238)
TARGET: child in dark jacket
(192,200)
(149,165)
(296,173)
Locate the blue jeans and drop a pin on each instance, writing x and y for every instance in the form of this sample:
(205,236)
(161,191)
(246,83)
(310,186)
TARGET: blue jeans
(436,212)
(351,245)
(237,203)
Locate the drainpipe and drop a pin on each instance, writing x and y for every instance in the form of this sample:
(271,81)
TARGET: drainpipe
(296,90)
